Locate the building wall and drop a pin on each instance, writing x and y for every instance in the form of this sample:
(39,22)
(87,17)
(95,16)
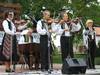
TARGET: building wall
(97,39)
(8,6)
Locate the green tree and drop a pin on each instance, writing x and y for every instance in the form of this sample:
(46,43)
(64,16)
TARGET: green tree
(84,8)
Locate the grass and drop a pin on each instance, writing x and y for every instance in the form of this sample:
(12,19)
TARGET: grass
(97,61)
(57,58)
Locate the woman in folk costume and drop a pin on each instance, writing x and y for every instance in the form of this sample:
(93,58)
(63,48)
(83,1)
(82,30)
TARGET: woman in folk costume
(90,43)
(9,44)
(25,38)
(67,31)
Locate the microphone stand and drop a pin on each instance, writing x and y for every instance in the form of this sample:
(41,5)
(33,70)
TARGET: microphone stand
(49,48)
(49,54)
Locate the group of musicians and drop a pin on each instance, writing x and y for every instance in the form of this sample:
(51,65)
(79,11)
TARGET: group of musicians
(65,27)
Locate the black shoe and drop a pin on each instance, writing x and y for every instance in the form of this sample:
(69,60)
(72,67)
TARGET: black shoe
(93,68)
(44,70)
(37,68)
(31,68)
(9,70)
(12,70)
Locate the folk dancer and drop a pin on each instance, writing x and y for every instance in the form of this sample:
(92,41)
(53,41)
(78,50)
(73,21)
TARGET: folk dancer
(25,39)
(89,39)
(43,30)
(67,31)
(9,44)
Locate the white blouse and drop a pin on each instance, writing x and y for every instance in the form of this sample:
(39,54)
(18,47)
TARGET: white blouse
(39,28)
(56,28)
(74,28)
(85,37)
(6,27)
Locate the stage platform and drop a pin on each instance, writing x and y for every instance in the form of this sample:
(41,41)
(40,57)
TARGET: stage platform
(56,71)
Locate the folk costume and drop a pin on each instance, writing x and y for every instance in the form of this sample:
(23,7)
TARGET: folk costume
(25,41)
(89,38)
(42,29)
(66,39)
(9,44)
(90,45)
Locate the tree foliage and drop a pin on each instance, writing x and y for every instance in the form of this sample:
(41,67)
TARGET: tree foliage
(85,8)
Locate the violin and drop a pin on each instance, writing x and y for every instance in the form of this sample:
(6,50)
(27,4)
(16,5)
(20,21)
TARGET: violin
(63,21)
(19,22)
(69,21)
(76,20)
(50,20)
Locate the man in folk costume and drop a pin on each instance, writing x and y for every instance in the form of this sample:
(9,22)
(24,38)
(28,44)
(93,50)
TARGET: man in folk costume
(43,30)
(25,38)
(89,39)
(67,31)
(9,44)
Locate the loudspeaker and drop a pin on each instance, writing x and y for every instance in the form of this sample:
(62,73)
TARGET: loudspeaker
(74,66)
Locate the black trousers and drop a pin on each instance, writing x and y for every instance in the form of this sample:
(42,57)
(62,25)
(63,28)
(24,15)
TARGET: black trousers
(91,54)
(66,47)
(44,52)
